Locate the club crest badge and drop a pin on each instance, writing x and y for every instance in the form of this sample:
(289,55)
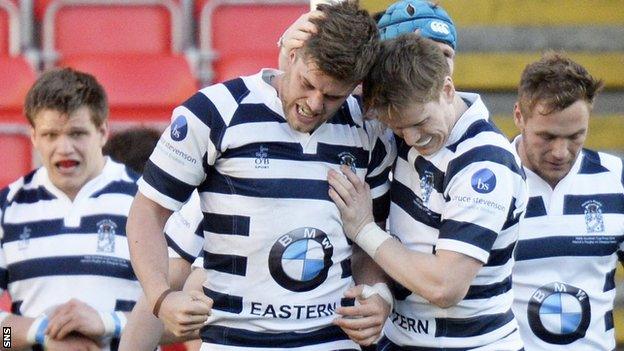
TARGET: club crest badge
(426,186)
(24,239)
(346,158)
(106,236)
(262,157)
(593,216)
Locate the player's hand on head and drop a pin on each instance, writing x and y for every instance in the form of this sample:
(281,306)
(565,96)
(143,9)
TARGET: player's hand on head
(297,34)
(73,342)
(184,312)
(75,316)
(353,198)
(364,321)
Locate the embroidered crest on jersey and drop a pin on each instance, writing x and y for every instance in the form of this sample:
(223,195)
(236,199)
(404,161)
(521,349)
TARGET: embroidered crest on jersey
(299,260)
(262,157)
(593,216)
(483,181)
(179,128)
(346,158)
(24,238)
(426,186)
(106,236)
(559,313)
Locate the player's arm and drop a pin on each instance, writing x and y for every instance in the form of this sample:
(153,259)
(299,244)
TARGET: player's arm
(144,331)
(443,278)
(148,248)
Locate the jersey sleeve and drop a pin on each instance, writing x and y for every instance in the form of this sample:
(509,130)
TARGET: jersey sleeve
(480,191)
(382,155)
(4,273)
(190,143)
(184,231)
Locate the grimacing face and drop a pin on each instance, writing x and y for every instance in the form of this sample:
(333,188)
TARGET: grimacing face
(425,127)
(70,147)
(309,96)
(551,143)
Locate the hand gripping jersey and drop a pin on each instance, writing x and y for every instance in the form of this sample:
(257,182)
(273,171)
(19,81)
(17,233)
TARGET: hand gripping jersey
(276,257)
(466,198)
(570,240)
(54,249)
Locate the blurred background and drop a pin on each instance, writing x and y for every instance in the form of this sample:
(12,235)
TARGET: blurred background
(151,55)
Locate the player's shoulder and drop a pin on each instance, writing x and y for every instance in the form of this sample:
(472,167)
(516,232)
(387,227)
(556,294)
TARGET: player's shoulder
(18,187)
(595,162)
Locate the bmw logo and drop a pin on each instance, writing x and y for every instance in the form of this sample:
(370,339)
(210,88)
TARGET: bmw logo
(559,313)
(299,260)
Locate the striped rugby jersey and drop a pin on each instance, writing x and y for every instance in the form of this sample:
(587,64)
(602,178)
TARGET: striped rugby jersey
(466,198)
(570,240)
(277,258)
(184,232)
(54,249)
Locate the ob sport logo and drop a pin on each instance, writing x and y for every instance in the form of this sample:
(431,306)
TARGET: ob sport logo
(559,313)
(299,260)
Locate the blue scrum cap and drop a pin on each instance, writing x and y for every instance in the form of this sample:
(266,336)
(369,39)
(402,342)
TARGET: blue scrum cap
(407,16)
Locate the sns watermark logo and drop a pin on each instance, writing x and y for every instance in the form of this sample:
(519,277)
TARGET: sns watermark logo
(179,128)
(483,181)
(593,216)
(299,260)
(6,337)
(106,236)
(440,27)
(346,158)
(559,313)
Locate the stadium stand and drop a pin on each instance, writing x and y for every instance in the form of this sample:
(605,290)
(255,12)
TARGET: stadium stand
(228,53)
(17,76)
(133,47)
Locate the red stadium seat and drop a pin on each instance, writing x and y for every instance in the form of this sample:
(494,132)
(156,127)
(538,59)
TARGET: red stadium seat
(132,47)
(139,87)
(16,155)
(241,35)
(16,74)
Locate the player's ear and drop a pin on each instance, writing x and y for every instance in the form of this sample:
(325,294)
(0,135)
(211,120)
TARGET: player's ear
(448,89)
(518,118)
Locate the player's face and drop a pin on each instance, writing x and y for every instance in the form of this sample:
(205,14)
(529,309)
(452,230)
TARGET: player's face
(550,143)
(70,147)
(309,97)
(425,127)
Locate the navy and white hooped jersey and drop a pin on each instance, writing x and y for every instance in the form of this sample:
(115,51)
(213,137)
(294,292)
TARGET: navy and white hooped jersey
(277,258)
(184,231)
(570,240)
(465,198)
(54,249)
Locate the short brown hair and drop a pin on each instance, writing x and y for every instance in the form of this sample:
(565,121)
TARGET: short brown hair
(409,69)
(66,90)
(346,42)
(132,147)
(558,82)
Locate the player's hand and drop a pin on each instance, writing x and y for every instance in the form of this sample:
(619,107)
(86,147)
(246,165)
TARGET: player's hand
(353,198)
(296,35)
(363,322)
(75,316)
(184,312)
(72,343)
